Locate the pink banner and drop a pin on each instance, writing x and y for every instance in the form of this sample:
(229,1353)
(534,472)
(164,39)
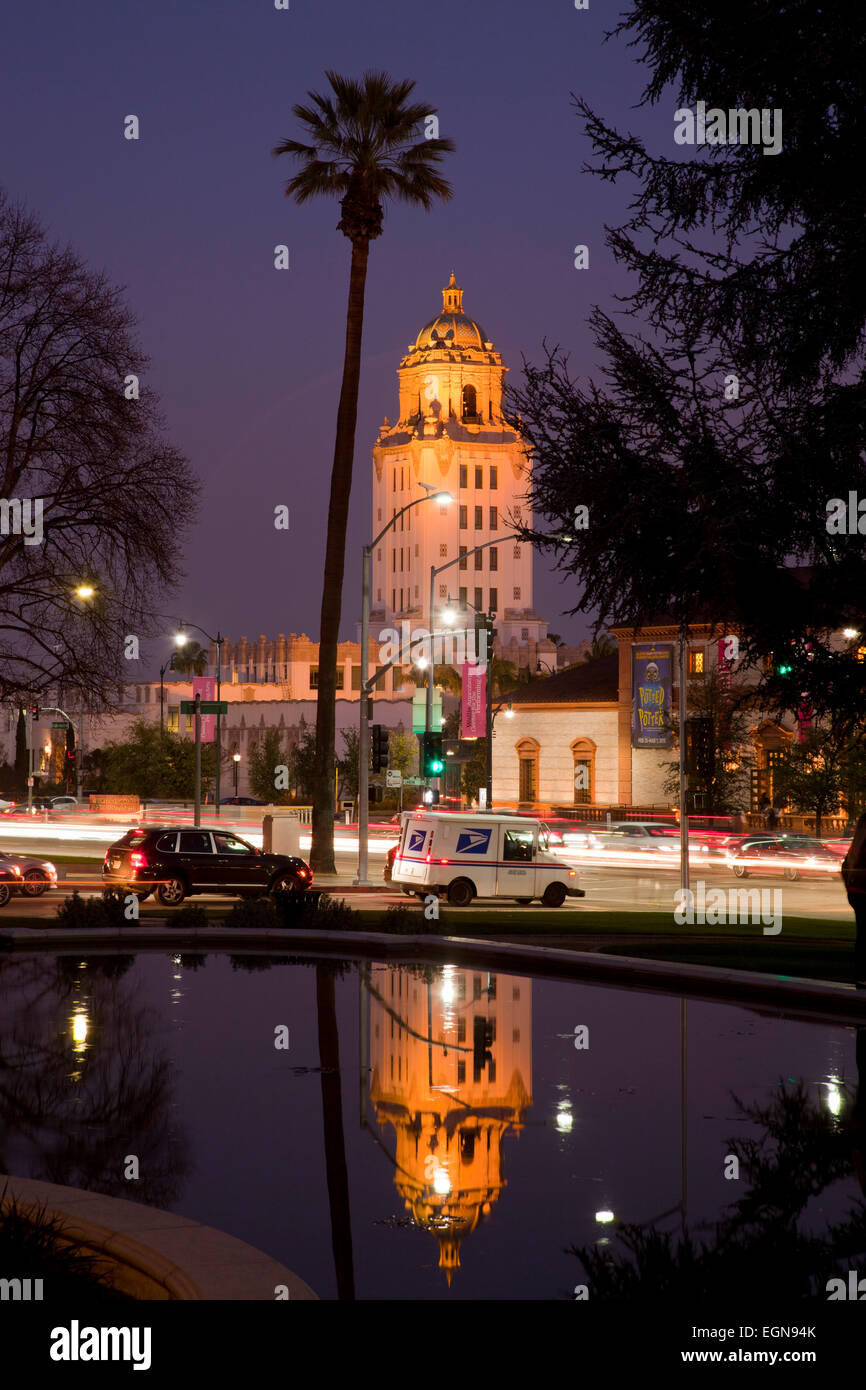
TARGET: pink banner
(805,716)
(205,686)
(474,706)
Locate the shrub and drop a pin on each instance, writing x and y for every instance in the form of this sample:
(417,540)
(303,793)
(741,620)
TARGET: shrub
(403,922)
(253,912)
(82,914)
(32,1246)
(191,915)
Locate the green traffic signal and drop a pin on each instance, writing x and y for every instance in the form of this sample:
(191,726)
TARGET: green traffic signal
(784,670)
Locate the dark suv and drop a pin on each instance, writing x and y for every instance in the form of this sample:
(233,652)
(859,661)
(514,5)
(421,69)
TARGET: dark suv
(173,863)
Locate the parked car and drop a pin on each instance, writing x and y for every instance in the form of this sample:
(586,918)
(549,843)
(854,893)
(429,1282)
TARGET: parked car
(791,856)
(241,801)
(9,881)
(36,875)
(173,863)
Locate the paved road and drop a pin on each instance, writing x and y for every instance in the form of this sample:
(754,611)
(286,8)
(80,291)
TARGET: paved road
(612,889)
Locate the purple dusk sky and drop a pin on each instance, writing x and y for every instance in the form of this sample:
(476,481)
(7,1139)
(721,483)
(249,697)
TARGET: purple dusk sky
(247,359)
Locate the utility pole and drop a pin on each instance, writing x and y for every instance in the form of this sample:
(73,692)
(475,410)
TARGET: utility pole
(29,729)
(684,819)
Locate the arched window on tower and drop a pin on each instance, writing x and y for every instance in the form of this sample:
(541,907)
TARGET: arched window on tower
(470,404)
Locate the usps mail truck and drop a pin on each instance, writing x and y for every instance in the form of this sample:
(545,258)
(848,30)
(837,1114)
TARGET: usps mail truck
(462,857)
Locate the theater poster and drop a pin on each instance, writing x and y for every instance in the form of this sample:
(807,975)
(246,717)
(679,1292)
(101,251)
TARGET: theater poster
(652,667)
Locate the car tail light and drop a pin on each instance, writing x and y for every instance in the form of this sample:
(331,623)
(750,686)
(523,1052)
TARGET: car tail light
(572,873)
(138,861)
(303,873)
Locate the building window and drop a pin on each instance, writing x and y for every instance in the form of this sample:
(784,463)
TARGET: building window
(470,403)
(494,600)
(696,661)
(314,677)
(393,562)
(463,470)
(479,518)
(356,678)
(461,1028)
(494,519)
(394,598)
(341,676)
(583,753)
(401,600)
(394,481)
(416,590)
(464,518)
(516,591)
(515,1035)
(517,552)
(380,514)
(379,553)
(494,472)
(479,600)
(479,476)
(378,595)
(527,754)
(402,484)
(443,590)
(524,634)
(443,551)
(479,559)
(462,564)
(173,720)
(461,1073)
(494,557)
(461,593)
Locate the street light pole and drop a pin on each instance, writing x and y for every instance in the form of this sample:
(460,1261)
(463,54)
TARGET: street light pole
(366,697)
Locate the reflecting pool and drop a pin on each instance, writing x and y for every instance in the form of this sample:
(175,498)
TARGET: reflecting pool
(423,1132)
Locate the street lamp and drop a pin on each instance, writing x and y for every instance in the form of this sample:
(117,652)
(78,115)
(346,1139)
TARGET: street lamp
(181,639)
(236,758)
(431,494)
(543,666)
(85,591)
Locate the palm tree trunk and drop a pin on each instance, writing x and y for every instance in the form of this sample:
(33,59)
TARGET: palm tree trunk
(322,852)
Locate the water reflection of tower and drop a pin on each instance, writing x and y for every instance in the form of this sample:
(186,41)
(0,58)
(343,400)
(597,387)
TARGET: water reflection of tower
(451,1071)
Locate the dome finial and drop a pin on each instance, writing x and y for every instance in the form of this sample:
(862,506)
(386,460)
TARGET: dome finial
(452,297)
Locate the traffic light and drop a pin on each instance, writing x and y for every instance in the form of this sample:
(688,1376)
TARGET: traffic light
(430,796)
(432,757)
(70,753)
(783,668)
(34,713)
(700,746)
(381,741)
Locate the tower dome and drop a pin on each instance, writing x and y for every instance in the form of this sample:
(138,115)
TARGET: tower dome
(452,328)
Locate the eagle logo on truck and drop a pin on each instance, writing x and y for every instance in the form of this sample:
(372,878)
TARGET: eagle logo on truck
(473,841)
(417,841)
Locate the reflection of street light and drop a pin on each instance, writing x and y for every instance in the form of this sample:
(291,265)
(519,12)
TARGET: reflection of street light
(605,1216)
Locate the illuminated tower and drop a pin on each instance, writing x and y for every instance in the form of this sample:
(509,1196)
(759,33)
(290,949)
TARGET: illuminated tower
(450,433)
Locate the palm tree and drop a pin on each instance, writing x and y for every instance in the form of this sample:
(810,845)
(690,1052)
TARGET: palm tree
(366,145)
(601,646)
(192,660)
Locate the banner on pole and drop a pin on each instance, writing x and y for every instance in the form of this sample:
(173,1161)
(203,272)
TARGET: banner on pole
(205,686)
(473,722)
(652,664)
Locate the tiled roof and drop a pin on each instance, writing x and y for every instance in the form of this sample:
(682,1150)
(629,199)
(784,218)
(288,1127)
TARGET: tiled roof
(590,682)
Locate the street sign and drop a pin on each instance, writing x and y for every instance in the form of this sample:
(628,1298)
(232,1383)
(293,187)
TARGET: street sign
(393,778)
(205,706)
(413,781)
(59,724)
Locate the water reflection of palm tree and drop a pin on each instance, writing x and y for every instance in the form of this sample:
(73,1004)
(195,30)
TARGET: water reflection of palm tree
(336,1167)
